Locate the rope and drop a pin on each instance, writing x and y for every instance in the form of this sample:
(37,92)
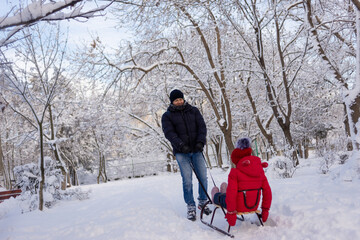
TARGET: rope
(192,166)
(209,169)
(201,184)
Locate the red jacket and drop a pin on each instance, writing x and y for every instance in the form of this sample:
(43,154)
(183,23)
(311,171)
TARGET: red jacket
(248,174)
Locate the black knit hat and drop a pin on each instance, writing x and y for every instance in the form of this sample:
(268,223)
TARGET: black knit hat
(175,94)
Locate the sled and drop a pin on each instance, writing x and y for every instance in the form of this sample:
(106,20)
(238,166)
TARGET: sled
(240,215)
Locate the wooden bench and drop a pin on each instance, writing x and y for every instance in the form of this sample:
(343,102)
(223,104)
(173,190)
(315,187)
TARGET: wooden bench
(242,213)
(8,194)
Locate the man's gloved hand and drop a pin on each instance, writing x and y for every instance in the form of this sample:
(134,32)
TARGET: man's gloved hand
(199,147)
(185,149)
(231,218)
(264,214)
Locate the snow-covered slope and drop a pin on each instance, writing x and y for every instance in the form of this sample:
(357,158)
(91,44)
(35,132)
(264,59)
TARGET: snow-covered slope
(307,206)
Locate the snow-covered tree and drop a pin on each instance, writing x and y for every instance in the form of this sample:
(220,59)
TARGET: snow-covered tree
(333,36)
(333,27)
(36,79)
(278,52)
(194,56)
(26,14)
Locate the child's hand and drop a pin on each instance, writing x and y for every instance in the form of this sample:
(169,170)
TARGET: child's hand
(231,218)
(264,214)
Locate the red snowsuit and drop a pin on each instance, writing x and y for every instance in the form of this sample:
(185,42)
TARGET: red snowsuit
(248,174)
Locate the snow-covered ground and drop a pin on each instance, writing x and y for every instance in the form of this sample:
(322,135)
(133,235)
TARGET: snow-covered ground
(308,206)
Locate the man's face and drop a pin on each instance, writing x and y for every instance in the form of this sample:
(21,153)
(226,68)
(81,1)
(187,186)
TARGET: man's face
(178,102)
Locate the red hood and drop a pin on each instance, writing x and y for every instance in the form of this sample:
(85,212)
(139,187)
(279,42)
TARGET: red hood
(247,164)
(237,154)
(250,166)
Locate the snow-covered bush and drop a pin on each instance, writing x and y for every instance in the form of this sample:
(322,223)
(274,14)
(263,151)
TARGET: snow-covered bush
(347,168)
(343,157)
(329,154)
(28,179)
(280,167)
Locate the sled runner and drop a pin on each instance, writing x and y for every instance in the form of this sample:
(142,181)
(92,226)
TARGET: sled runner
(240,215)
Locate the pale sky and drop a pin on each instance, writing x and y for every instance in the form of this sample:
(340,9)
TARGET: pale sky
(104,27)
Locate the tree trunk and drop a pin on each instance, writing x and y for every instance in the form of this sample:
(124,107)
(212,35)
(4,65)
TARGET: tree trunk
(263,129)
(300,149)
(99,173)
(217,143)
(105,179)
(229,142)
(292,148)
(355,107)
(102,169)
(6,176)
(63,183)
(219,153)
(206,156)
(42,168)
(306,151)
(349,145)
(170,163)
(56,152)
(355,117)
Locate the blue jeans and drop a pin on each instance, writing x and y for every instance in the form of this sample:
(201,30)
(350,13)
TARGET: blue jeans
(198,161)
(220,199)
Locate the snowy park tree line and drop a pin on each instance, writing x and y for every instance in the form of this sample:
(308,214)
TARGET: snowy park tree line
(283,73)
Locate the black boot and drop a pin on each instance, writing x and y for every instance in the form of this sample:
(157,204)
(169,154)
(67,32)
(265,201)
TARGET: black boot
(207,210)
(191,215)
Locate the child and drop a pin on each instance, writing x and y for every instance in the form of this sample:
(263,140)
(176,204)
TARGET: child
(248,174)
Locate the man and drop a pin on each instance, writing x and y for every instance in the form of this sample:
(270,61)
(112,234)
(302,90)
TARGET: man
(184,126)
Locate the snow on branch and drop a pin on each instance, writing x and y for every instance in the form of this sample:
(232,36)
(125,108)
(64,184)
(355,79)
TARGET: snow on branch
(40,11)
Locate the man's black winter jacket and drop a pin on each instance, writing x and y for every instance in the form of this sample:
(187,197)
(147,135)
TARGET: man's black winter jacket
(183,126)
